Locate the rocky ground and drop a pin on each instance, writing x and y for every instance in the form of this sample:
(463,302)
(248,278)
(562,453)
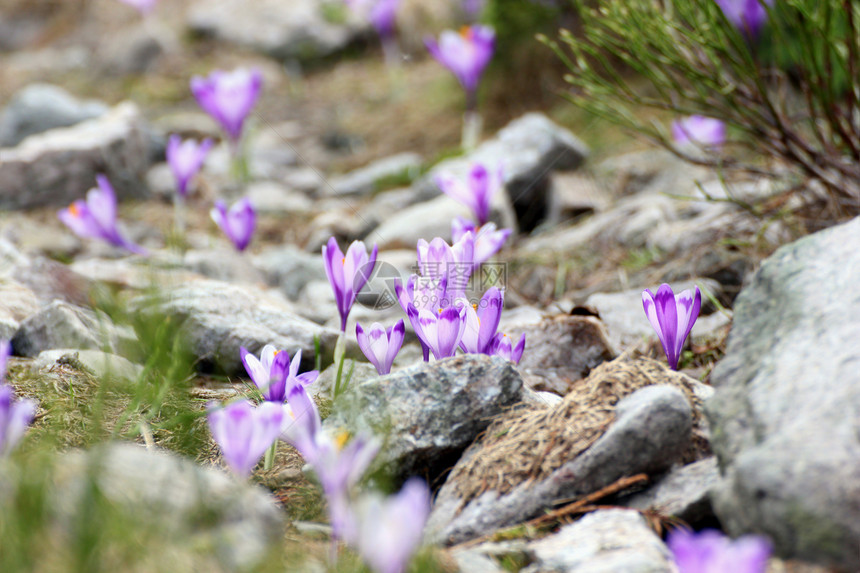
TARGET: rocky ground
(577,459)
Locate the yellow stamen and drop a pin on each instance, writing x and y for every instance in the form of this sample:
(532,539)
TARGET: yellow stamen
(73,209)
(341,439)
(343,261)
(466,32)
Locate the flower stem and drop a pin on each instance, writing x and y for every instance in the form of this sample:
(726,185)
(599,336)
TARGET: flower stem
(471,129)
(339,357)
(269,461)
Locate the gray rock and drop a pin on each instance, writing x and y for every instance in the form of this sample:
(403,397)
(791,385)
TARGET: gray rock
(207,519)
(421,221)
(100,364)
(572,195)
(135,50)
(222,264)
(272,198)
(59,166)
(624,316)
(134,273)
(652,428)
(606,541)
(50,280)
(562,348)
(215,319)
(287,30)
(17,303)
(527,149)
(430,412)
(290,269)
(63,325)
(784,415)
(486,557)
(40,107)
(363,181)
(682,493)
(649,172)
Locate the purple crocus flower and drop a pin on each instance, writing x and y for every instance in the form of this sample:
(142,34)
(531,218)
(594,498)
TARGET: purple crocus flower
(228,97)
(712,552)
(476,191)
(482,322)
(95,218)
(390,529)
(748,16)
(383,16)
(271,371)
(238,223)
(244,432)
(466,54)
(699,131)
(185,159)
(487,240)
(381,345)
(502,345)
(347,273)
(145,7)
(15,417)
(672,316)
(437,260)
(440,331)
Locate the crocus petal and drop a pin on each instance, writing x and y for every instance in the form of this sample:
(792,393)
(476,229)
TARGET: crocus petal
(711,551)
(672,317)
(301,423)
(15,417)
(450,327)
(469,342)
(489,314)
(389,530)
(466,54)
(228,97)
(396,334)
(238,222)
(256,371)
(5,353)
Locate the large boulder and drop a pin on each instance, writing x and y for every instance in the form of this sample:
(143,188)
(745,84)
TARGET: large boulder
(429,413)
(40,107)
(784,417)
(527,150)
(60,165)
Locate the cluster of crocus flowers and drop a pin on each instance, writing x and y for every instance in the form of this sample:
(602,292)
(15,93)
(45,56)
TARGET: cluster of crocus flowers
(466,54)
(15,415)
(347,273)
(238,222)
(672,317)
(712,552)
(699,131)
(748,16)
(229,98)
(96,218)
(476,191)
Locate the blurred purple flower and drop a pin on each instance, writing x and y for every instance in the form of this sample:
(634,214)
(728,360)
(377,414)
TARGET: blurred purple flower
(383,16)
(476,192)
(437,260)
(271,371)
(95,218)
(238,223)
(672,316)
(466,54)
(381,345)
(15,417)
(503,346)
(5,353)
(145,7)
(482,322)
(749,16)
(301,423)
(712,552)
(487,240)
(244,432)
(390,529)
(441,331)
(348,273)
(228,97)
(185,159)
(699,130)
